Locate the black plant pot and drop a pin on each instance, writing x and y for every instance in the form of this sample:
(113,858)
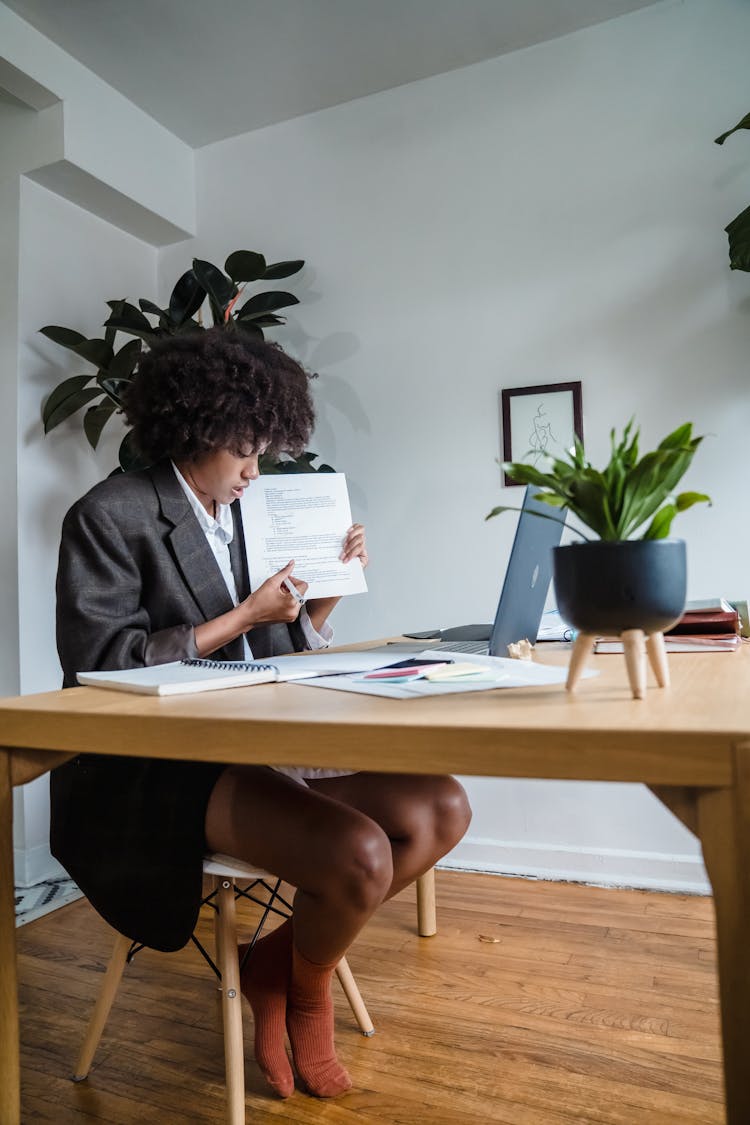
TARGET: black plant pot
(606,587)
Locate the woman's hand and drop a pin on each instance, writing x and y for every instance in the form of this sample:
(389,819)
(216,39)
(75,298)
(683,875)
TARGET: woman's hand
(355,545)
(273,602)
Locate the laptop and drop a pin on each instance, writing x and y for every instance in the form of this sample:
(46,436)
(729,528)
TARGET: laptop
(524,592)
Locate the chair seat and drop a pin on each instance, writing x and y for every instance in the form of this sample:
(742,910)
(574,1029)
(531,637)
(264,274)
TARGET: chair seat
(218,864)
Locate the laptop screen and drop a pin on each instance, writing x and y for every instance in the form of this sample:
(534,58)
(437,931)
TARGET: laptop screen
(528,576)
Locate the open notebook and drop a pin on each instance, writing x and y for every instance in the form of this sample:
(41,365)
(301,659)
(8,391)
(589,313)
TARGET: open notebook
(181,676)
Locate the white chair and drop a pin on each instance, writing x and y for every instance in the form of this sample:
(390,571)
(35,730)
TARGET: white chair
(231,879)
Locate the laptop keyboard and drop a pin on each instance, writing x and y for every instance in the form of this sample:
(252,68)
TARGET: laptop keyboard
(478,648)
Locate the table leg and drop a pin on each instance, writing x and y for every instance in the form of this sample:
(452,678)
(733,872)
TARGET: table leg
(10,1096)
(724,824)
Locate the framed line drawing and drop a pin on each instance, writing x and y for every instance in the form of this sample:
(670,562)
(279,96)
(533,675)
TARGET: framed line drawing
(540,421)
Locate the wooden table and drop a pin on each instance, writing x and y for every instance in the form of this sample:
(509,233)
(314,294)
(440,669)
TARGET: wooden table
(690,744)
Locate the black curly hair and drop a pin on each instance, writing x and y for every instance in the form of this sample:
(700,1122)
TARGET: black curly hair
(218,389)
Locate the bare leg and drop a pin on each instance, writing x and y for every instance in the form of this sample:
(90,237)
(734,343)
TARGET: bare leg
(340,862)
(423,816)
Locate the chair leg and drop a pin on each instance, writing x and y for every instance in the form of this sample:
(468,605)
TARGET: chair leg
(107,992)
(354,996)
(231,1004)
(426,917)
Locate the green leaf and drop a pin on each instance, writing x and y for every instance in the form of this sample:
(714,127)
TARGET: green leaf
(65,337)
(96,351)
(738,233)
(266,303)
(149,307)
(686,500)
(69,405)
(128,324)
(123,363)
(283,269)
(95,419)
(661,523)
(246,265)
(743,124)
(219,287)
(61,393)
(187,297)
(129,456)
(116,307)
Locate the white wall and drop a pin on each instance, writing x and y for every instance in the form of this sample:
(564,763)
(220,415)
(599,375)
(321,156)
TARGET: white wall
(71,262)
(553,214)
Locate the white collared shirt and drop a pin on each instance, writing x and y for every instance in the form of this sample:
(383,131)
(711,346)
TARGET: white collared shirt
(219,533)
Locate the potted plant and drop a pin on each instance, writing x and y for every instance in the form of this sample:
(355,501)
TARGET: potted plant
(204,284)
(630,578)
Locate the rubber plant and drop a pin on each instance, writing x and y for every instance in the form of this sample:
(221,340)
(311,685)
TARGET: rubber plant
(204,285)
(738,231)
(631,498)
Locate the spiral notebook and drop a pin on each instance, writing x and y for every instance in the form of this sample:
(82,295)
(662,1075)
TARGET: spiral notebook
(182,676)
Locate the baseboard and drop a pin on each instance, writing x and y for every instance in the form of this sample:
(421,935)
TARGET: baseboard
(34,865)
(605,867)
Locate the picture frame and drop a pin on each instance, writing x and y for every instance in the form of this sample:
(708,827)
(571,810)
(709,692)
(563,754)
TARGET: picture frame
(538,421)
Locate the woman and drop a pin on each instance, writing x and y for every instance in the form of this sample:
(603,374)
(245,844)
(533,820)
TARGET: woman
(151,569)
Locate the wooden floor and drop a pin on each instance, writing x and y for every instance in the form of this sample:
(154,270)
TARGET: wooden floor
(535,1004)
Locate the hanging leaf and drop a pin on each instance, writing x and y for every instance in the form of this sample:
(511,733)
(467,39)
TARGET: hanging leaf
(187,297)
(246,265)
(128,324)
(219,287)
(95,419)
(129,455)
(283,269)
(266,303)
(69,405)
(96,351)
(123,363)
(743,124)
(61,393)
(116,307)
(738,233)
(66,337)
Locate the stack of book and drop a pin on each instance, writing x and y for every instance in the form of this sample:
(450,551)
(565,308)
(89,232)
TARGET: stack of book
(711,625)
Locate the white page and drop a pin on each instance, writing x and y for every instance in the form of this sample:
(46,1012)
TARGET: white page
(305,517)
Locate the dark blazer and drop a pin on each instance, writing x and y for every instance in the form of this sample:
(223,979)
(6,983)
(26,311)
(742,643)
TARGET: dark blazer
(135,576)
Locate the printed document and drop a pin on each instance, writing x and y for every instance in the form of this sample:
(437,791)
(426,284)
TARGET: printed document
(305,517)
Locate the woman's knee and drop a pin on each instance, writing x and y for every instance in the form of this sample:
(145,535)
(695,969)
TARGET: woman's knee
(361,872)
(451,811)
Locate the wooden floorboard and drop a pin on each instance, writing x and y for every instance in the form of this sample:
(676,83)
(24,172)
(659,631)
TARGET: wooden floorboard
(535,1004)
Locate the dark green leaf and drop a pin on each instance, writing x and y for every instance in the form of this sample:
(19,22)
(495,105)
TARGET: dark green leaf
(283,269)
(96,351)
(245,265)
(743,124)
(738,233)
(130,456)
(116,307)
(95,419)
(127,324)
(266,303)
(66,337)
(69,406)
(123,363)
(150,307)
(218,286)
(187,297)
(63,391)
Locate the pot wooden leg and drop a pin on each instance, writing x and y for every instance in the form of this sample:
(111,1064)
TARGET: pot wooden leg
(657,655)
(582,648)
(635,660)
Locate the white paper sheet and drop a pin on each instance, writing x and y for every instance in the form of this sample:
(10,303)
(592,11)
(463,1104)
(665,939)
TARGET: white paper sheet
(507,673)
(305,517)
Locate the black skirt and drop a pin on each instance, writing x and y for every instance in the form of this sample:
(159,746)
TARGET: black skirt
(130,832)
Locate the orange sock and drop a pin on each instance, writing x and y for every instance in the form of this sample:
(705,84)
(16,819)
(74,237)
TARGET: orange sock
(309,1021)
(265,982)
